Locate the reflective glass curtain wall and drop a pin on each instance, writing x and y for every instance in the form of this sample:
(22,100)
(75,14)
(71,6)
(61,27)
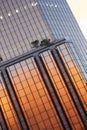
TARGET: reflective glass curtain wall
(63,24)
(22,22)
(36,91)
(42,89)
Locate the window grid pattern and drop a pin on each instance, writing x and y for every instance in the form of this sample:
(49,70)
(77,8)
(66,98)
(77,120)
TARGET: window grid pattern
(33,96)
(63,24)
(7,108)
(62,91)
(3,124)
(20,26)
(74,72)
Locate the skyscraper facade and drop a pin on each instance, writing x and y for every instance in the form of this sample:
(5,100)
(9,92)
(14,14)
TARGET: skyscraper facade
(23,22)
(41,88)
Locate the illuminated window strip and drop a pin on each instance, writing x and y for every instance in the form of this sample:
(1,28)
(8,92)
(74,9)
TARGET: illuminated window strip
(51,66)
(7,109)
(75,75)
(3,124)
(38,91)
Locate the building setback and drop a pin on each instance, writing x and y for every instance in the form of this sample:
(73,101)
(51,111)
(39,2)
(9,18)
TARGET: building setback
(41,88)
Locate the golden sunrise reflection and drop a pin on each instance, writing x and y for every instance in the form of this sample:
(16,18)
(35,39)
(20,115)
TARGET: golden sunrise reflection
(75,74)
(7,108)
(63,93)
(33,96)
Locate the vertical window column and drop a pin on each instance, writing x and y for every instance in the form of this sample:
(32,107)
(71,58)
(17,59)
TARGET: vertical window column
(3,125)
(52,92)
(14,100)
(70,86)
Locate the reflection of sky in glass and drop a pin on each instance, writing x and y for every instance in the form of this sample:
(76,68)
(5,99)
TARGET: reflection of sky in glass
(63,24)
(75,74)
(20,23)
(33,96)
(32,93)
(7,109)
(62,92)
(79,10)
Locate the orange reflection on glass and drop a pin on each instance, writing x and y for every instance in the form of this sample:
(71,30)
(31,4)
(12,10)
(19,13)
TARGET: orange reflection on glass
(33,97)
(7,108)
(75,74)
(62,92)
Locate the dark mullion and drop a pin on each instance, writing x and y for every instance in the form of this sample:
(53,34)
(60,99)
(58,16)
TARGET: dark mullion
(13,97)
(70,86)
(52,92)
(31,53)
(3,121)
